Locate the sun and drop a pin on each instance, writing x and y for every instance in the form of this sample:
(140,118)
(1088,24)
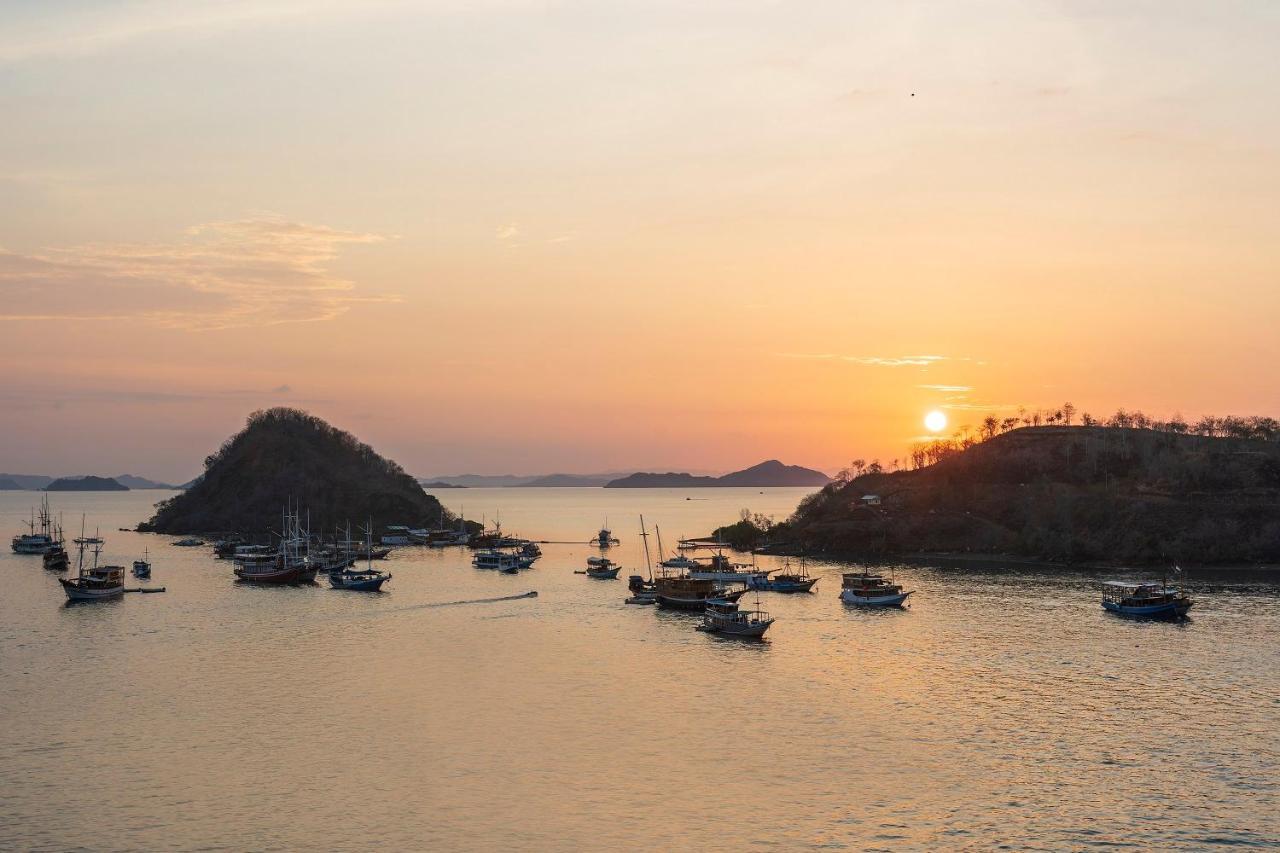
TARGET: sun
(935,421)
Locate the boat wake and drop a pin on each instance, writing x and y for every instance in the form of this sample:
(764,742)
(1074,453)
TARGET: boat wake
(530,594)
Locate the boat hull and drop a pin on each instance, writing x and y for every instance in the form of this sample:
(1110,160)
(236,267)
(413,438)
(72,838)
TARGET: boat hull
(364,585)
(603,574)
(848,596)
(75,592)
(753,631)
(784,586)
(1163,610)
(290,574)
(671,602)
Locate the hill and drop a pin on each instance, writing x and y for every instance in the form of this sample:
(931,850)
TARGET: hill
(29,481)
(134,482)
(288,455)
(1070,494)
(770,473)
(86,484)
(570,480)
(7,485)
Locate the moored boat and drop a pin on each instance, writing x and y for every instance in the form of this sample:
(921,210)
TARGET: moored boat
(56,558)
(342,574)
(725,617)
(681,592)
(189,542)
(494,558)
(602,569)
(1145,600)
(142,568)
(785,580)
(93,583)
(46,539)
(287,564)
(865,589)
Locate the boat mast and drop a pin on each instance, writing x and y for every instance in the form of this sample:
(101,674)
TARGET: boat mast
(645,537)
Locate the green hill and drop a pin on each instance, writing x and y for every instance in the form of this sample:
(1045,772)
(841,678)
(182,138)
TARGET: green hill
(288,455)
(1069,494)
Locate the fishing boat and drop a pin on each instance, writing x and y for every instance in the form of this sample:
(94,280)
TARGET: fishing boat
(681,592)
(1145,600)
(494,558)
(142,568)
(93,583)
(33,542)
(785,580)
(606,570)
(605,538)
(368,579)
(725,617)
(865,589)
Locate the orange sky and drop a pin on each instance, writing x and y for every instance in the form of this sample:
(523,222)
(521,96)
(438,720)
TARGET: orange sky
(531,236)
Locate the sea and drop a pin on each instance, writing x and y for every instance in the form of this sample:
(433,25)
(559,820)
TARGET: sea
(1002,710)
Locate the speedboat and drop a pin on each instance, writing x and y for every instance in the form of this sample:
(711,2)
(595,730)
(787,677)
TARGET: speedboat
(865,589)
(724,617)
(1144,600)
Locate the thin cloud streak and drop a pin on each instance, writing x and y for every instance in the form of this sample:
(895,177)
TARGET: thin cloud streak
(874,360)
(258,271)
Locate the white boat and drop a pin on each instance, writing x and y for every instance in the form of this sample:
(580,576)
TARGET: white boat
(718,567)
(396,534)
(189,542)
(45,540)
(679,562)
(492,558)
(94,583)
(865,589)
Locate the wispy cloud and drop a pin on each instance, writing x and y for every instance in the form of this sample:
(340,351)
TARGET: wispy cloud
(259,271)
(949,389)
(875,360)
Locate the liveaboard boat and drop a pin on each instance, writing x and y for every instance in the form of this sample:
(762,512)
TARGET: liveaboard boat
(288,563)
(784,580)
(93,583)
(56,558)
(725,617)
(33,542)
(865,589)
(1145,600)
(396,534)
(681,592)
(495,558)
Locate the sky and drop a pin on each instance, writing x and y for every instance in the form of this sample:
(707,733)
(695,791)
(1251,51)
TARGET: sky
(506,236)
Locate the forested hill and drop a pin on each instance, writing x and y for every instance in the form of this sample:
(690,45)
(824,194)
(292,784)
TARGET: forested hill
(288,455)
(1061,493)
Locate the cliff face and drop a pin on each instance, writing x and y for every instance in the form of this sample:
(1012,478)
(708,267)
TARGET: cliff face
(288,455)
(1063,493)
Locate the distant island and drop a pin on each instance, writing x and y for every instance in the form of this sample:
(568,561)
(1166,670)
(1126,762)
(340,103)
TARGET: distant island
(1064,494)
(8,485)
(439,485)
(770,473)
(35,482)
(482,481)
(134,482)
(285,455)
(86,484)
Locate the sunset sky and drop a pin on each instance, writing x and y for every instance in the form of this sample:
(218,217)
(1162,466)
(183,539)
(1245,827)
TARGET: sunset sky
(536,236)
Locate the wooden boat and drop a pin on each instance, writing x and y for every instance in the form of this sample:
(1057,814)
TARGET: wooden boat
(681,592)
(56,559)
(1145,600)
(94,583)
(368,579)
(142,568)
(784,581)
(287,564)
(724,617)
(864,589)
(607,570)
(493,558)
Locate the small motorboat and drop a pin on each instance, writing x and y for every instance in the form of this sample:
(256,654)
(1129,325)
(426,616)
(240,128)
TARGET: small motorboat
(142,568)
(864,589)
(605,570)
(189,542)
(724,617)
(1145,600)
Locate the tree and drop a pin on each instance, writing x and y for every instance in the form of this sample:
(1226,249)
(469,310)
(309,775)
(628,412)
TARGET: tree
(1068,412)
(989,426)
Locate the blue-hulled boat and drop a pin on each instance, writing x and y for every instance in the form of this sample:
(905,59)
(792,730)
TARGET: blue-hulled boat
(865,589)
(784,581)
(343,575)
(1144,600)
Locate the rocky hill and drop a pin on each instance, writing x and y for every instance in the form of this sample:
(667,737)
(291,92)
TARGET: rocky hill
(87,483)
(288,455)
(770,473)
(1071,494)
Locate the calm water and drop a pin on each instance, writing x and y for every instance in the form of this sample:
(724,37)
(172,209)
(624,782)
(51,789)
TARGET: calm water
(1002,708)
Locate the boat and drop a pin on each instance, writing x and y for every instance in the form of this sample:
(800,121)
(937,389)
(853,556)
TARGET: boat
(93,583)
(287,564)
(606,570)
(681,592)
(865,589)
(720,568)
(33,542)
(343,576)
(225,549)
(725,617)
(493,558)
(396,534)
(56,559)
(680,561)
(142,568)
(605,538)
(1145,600)
(189,542)
(784,581)
(642,591)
